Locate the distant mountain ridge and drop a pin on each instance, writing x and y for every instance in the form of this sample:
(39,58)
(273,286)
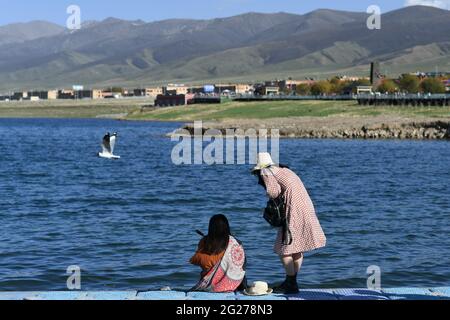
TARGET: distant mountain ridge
(247,47)
(20,32)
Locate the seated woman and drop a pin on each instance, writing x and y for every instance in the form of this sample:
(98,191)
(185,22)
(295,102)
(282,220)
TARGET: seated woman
(221,257)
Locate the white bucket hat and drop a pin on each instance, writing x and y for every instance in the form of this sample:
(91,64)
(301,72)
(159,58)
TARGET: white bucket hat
(264,161)
(259,288)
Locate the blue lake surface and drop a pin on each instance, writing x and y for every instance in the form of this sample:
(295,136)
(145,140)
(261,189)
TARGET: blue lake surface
(130,224)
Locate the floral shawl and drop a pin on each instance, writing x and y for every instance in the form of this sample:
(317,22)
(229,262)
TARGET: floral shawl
(228,274)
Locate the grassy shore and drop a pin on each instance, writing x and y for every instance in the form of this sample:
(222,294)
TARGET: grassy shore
(283,109)
(294,119)
(132,109)
(312,119)
(111,108)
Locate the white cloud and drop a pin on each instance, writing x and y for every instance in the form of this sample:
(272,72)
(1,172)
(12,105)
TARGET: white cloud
(443,4)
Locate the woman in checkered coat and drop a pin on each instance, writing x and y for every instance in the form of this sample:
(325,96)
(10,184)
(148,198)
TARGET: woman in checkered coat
(305,230)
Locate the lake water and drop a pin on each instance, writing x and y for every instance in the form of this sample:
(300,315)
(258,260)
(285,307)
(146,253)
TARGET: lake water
(130,224)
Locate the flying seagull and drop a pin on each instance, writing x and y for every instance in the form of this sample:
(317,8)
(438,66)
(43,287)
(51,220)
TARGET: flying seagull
(109,142)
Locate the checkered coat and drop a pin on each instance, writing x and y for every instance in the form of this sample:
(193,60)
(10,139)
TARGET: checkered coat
(304,225)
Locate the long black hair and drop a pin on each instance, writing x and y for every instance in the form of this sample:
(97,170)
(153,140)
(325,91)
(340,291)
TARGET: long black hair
(218,235)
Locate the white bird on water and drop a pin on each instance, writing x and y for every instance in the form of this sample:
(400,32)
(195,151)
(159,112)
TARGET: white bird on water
(109,142)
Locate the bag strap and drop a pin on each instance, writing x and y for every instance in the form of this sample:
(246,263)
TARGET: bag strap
(285,229)
(278,181)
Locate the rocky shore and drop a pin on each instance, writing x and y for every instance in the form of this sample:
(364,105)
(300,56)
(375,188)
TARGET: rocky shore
(339,128)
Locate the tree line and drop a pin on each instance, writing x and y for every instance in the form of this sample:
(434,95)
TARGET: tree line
(409,83)
(405,84)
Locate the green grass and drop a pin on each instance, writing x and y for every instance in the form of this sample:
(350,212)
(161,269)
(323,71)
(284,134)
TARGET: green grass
(282,109)
(71,109)
(214,112)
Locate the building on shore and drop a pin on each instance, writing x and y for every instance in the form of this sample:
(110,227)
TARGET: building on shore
(364,90)
(110,94)
(96,94)
(127,93)
(79,94)
(269,88)
(139,92)
(43,95)
(66,94)
(234,88)
(354,79)
(177,89)
(19,96)
(52,94)
(168,100)
(197,89)
(88,94)
(291,85)
(437,74)
(151,92)
(242,88)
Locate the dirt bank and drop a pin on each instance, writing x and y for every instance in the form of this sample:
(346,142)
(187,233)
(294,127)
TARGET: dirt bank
(343,127)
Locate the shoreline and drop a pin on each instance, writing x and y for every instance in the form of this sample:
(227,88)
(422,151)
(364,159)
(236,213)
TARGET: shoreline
(312,119)
(295,120)
(375,128)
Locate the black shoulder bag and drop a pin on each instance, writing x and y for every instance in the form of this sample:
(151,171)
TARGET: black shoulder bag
(275,214)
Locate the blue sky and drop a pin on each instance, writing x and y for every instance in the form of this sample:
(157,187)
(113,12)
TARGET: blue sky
(151,10)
